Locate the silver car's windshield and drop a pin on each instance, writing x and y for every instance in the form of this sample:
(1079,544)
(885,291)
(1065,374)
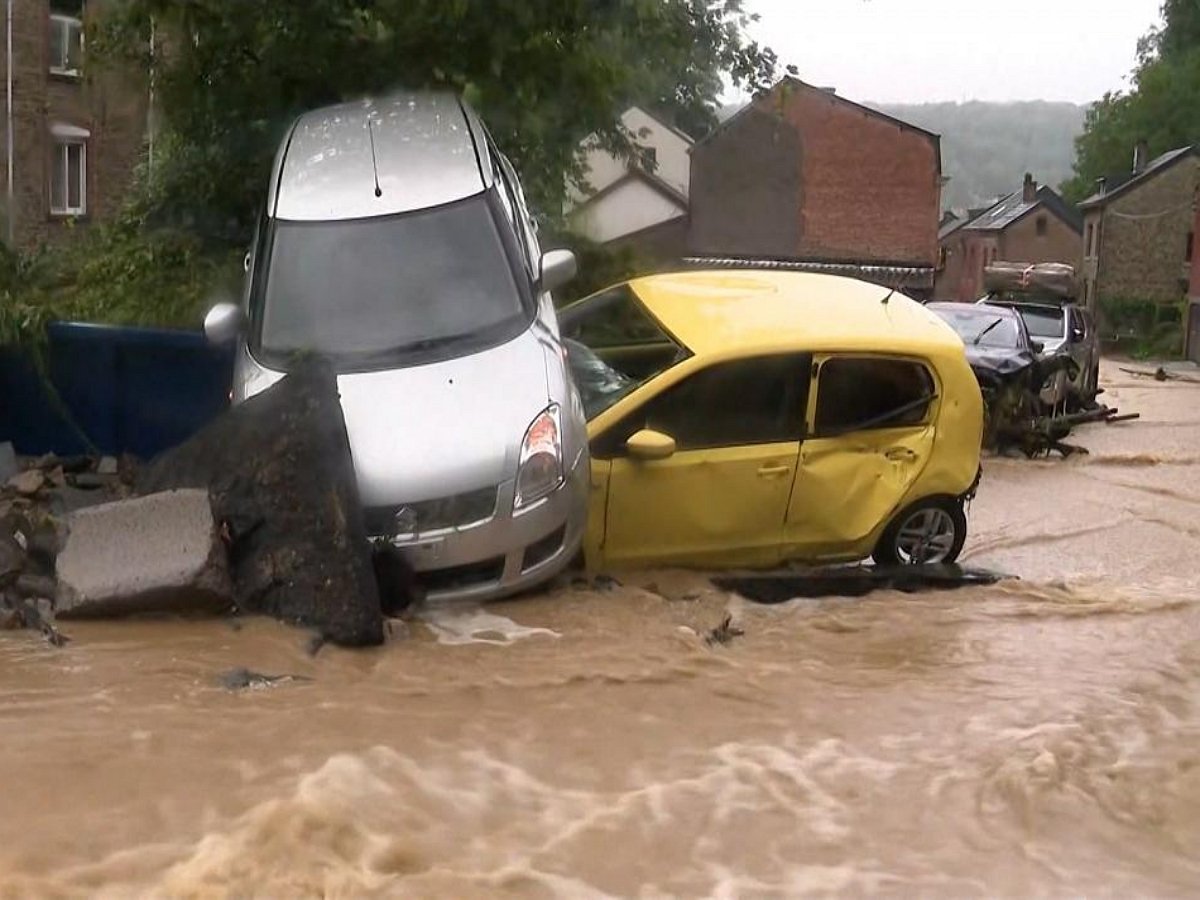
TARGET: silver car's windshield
(392,290)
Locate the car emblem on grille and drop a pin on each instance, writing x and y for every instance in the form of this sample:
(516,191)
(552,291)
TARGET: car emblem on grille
(406,520)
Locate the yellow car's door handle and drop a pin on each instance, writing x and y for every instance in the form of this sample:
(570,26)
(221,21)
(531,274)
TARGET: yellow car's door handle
(900,454)
(773,471)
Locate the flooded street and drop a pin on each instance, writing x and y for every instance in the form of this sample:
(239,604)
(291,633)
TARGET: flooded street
(1036,738)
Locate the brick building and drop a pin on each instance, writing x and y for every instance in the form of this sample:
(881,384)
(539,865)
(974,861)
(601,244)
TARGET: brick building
(1032,225)
(76,134)
(807,177)
(1138,230)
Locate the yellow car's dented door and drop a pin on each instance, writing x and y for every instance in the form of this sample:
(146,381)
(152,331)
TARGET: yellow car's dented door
(872,434)
(726,441)
(721,507)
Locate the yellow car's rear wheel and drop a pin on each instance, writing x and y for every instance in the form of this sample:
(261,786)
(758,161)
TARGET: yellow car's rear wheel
(930,532)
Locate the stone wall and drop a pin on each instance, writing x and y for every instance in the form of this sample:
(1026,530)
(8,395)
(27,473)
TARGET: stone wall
(1143,237)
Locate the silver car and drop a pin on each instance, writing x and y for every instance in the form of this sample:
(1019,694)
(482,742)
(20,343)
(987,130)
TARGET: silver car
(396,242)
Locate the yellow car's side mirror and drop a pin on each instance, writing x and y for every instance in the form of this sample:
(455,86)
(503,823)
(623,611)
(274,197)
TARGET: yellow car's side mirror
(647,444)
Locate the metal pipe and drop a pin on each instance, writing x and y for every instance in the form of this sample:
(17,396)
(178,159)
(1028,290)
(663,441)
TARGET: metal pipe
(11,216)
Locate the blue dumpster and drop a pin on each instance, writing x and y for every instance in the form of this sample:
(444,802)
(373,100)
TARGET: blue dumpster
(111,390)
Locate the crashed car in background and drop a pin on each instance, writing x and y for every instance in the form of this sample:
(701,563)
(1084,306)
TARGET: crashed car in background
(1044,294)
(1018,383)
(748,418)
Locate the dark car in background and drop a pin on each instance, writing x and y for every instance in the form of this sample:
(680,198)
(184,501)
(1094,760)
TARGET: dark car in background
(1019,383)
(1062,328)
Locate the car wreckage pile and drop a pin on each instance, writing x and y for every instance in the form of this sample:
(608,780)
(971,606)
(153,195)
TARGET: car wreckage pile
(1029,406)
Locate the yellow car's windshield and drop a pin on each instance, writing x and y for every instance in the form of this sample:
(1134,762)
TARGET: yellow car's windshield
(614,346)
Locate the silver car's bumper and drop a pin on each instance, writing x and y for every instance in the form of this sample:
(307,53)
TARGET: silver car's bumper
(509,552)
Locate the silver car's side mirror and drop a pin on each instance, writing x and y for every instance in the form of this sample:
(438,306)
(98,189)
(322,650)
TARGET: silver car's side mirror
(225,322)
(557,268)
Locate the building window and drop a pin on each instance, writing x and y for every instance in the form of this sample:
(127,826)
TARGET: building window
(1089,243)
(1041,226)
(1191,240)
(68,176)
(66,37)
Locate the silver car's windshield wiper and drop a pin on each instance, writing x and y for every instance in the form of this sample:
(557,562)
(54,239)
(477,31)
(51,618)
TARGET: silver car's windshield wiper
(979,337)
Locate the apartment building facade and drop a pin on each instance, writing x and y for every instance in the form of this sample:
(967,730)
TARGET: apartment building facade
(73,133)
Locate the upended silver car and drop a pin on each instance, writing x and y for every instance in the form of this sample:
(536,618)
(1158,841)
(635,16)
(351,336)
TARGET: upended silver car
(396,243)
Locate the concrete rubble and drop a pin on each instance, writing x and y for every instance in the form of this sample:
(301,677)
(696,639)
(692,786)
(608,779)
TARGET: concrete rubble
(35,504)
(257,513)
(281,478)
(156,554)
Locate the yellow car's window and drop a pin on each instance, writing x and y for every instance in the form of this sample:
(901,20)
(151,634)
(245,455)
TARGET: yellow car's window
(744,402)
(863,393)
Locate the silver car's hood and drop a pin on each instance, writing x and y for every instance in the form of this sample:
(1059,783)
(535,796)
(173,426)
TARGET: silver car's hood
(445,428)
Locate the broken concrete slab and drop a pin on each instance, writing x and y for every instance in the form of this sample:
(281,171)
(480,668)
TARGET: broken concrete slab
(852,581)
(107,465)
(281,477)
(8,461)
(155,554)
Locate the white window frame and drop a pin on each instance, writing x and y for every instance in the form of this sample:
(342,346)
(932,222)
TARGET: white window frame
(65,22)
(65,136)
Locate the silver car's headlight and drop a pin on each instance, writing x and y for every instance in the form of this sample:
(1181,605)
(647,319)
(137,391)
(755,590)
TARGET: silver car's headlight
(540,470)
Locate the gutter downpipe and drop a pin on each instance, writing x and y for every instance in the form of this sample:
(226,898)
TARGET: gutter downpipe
(11,212)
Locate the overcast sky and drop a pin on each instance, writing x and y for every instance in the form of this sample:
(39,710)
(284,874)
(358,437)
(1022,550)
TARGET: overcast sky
(896,51)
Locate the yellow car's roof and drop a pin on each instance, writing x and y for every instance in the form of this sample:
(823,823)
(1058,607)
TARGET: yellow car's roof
(747,310)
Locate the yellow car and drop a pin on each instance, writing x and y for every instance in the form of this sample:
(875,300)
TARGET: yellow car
(748,418)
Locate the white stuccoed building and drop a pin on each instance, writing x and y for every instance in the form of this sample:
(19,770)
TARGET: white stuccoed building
(631,199)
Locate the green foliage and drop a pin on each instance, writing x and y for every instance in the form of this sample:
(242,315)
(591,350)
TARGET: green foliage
(543,73)
(1145,329)
(988,147)
(1162,107)
(115,274)
(600,266)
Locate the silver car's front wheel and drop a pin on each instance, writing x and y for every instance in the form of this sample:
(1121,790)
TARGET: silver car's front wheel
(927,533)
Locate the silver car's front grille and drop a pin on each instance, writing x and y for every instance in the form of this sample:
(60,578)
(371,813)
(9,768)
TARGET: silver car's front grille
(424,516)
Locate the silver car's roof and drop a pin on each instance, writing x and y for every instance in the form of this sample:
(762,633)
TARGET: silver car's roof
(427,151)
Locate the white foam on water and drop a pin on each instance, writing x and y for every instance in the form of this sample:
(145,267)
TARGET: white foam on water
(472,625)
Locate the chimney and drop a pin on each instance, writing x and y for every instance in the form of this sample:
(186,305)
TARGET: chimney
(1140,151)
(1101,185)
(1030,189)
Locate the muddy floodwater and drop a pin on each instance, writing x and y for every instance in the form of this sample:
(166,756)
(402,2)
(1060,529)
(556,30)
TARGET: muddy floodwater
(1036,738)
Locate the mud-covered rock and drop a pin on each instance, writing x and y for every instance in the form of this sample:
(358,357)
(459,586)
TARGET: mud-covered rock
(27,483)
(12,559)
(279,471)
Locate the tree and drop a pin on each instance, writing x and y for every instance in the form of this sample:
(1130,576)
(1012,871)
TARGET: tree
(1162,107)
(543,73)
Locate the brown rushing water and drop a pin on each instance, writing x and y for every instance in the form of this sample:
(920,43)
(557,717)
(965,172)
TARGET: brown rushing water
(1039,738)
